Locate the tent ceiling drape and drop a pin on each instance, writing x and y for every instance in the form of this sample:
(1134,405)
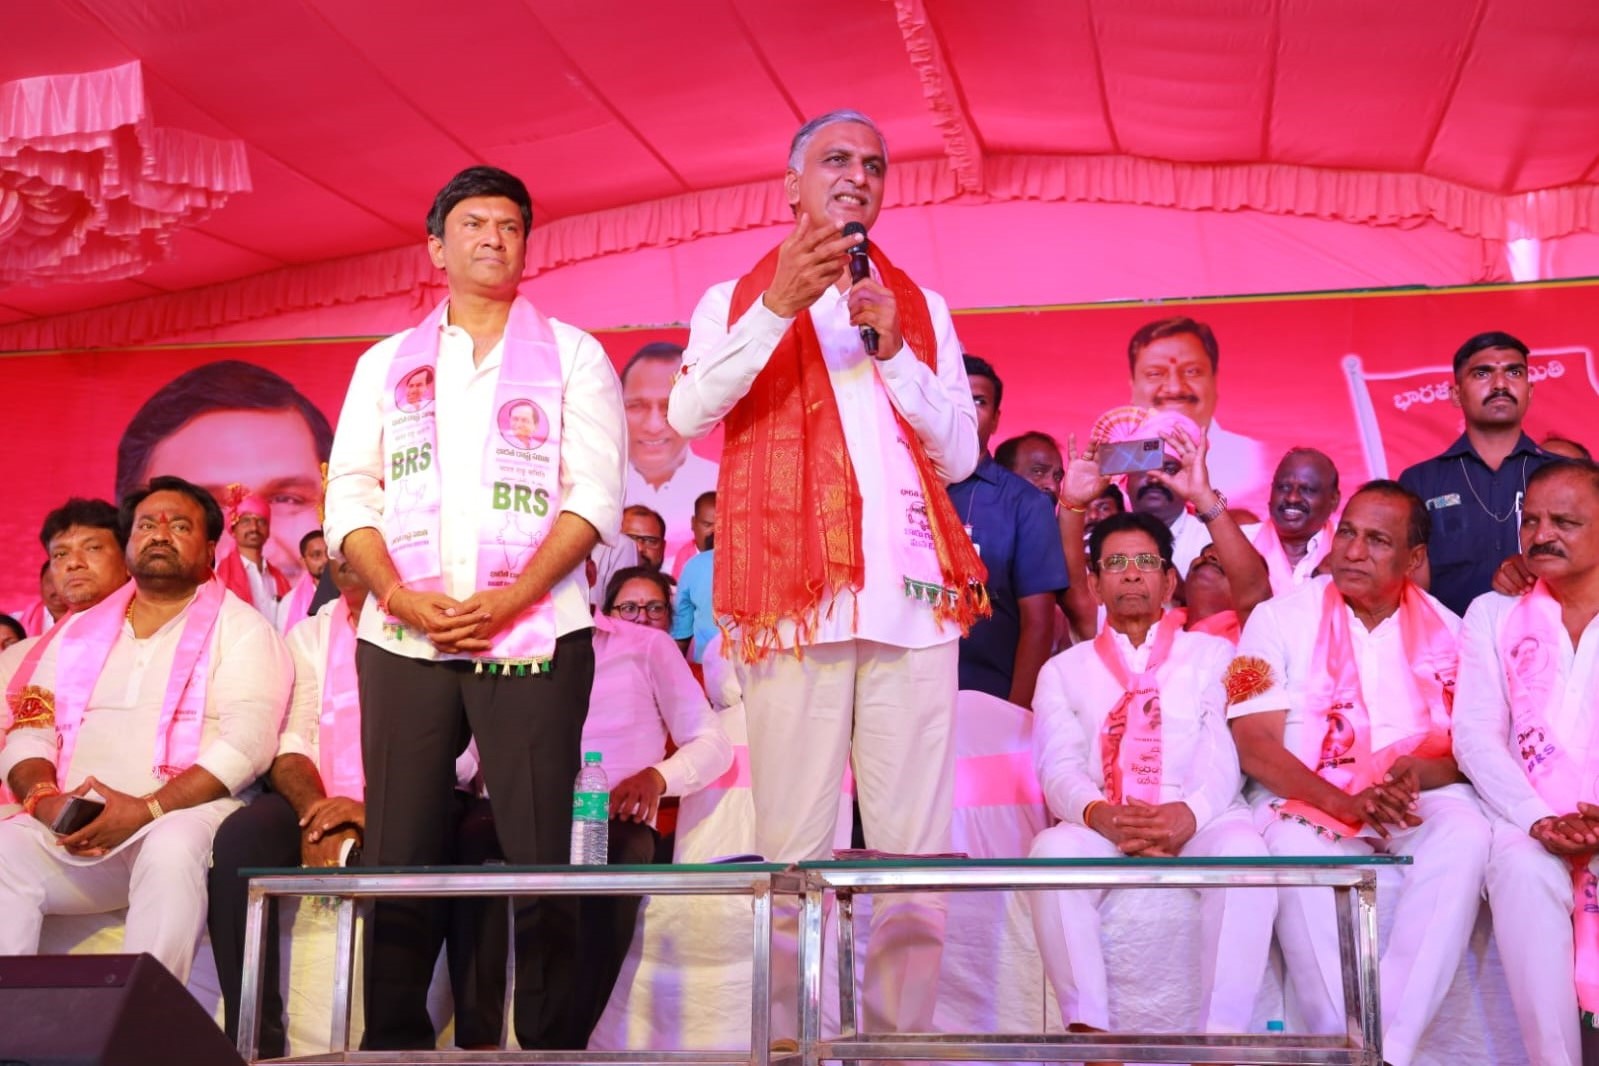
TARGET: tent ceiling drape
(644,126)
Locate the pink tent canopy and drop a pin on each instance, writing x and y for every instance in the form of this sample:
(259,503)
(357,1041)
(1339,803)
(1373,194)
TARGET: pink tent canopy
(217,169)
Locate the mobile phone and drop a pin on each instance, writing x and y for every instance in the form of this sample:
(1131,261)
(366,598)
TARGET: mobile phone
(1131,456)
(79,812)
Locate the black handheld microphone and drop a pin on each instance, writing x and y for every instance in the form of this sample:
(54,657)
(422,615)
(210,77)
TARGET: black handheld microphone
(860,267)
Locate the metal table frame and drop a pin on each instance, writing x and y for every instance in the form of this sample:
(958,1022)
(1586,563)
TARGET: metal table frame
(1353,882)
(757,880)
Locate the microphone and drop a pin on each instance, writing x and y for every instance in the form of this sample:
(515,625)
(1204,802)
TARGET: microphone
(860,267)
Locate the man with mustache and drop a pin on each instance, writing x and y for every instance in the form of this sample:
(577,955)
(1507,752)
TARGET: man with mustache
(836,538)
(1298,532)
(1366,652)
(86,547)
(1474,489)
(1529,696)
(1174,364)
(663,472)
(169,709)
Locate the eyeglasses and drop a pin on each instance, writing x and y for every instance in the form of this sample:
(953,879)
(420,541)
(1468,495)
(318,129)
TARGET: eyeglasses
(630,611)
(249,520)
(644,540)
(1148,562)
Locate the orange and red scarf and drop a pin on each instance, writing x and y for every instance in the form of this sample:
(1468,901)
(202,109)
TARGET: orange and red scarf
(788,504)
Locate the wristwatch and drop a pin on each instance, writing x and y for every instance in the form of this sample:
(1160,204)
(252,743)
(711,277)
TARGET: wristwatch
(1215,510)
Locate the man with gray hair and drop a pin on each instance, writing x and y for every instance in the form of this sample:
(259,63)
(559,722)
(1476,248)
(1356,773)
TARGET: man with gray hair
(835,538)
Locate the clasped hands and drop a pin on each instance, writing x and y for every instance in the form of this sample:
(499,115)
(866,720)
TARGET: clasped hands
(1569,835)
(1147,829)
(326,825)
(1391,802)
(458,626)
(810,259)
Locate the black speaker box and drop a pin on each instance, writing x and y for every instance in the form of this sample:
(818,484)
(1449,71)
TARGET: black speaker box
(103,1010)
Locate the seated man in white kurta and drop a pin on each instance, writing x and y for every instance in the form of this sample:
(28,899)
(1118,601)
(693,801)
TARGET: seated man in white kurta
(1529,698)
(1130,741)
(163,699)
(1340,700)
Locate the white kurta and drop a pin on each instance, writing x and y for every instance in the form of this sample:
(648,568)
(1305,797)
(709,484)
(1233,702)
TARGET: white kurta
(1315,552)
(1529,888)
(159,873)
(1199,767)
(1438,899)
(877,686)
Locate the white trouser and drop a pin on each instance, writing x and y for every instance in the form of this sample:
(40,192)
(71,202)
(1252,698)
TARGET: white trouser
(1236,925)
(159,877)
(1433,917)
(891,712)
(1529,891)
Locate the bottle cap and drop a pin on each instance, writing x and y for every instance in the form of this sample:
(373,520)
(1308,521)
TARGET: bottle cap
(592,757)
(1274,1026)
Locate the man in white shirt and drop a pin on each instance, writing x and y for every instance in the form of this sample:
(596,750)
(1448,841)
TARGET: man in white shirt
(1173,364)
(1298,531)
(1340,704)
(83,539)
(835,535)
(663,473)
(313,814)
(1130,742)
(166,756)
(1529,698)
(242,564)
(473,546)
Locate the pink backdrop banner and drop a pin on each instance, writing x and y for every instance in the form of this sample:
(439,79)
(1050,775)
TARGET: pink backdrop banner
(1362,376)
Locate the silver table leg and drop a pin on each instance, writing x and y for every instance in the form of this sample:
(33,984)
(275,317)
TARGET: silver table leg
(761,978)
(810,963)
(1358,959)
(344,968)
(250,987)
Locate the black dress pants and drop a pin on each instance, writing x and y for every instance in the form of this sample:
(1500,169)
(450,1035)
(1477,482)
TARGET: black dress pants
(478,942)
(416,717)
(264,832)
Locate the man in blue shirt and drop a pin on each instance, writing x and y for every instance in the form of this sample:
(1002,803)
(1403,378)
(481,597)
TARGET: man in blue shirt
(1013,525)
(1474,489)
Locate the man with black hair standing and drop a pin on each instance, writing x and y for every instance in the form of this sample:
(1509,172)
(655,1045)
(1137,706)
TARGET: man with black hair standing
(1474,490)
(473,544)
(1013,526)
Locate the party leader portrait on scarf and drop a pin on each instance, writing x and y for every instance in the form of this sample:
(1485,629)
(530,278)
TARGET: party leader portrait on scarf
(842,571)
(472,540)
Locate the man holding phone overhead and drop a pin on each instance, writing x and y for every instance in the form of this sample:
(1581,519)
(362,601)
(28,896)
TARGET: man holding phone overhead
(128,731)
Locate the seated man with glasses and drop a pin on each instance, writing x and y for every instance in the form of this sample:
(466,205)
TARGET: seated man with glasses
(644,692)
(1130,742)
(647,530)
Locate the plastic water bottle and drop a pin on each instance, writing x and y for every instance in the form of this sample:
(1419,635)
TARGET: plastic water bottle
(591,813)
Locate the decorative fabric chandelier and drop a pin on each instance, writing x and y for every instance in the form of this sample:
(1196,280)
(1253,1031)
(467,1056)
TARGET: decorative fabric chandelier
(90,188)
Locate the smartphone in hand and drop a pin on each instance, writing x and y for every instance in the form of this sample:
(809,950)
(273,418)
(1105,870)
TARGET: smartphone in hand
(1131,456)
(79,812)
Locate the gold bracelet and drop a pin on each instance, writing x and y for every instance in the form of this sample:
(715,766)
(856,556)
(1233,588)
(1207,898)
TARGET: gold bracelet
(383,601)
(153,805)
(1089,810)
(1076,510)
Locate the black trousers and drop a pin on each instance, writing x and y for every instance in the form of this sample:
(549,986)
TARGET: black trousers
(478,943)
(264,832)
(416,717)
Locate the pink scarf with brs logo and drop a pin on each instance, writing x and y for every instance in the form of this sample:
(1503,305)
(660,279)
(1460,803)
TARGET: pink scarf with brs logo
(520,492)
(85,646)
(339,724)
(1530,652)
(1129,738)
(1336,739)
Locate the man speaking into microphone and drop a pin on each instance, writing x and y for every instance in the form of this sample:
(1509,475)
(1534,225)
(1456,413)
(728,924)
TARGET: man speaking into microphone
(842,570)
